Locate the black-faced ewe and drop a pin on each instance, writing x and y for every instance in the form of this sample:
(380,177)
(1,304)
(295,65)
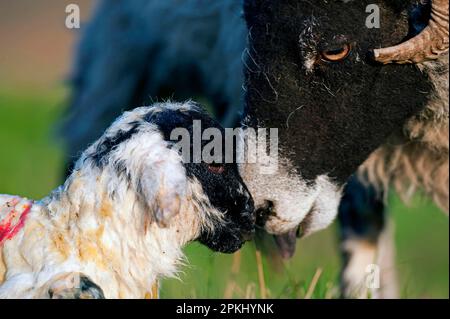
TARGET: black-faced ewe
(315,70)
(119,222)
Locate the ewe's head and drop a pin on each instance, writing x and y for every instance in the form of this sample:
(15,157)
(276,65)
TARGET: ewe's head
(310,73)
(139,153)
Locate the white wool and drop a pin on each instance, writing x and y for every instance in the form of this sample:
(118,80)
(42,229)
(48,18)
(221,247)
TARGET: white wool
(294,199)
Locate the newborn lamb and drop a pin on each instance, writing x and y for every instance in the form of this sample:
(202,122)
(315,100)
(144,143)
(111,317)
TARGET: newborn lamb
(119,222)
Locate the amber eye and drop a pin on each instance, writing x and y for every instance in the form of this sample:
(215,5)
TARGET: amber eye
(336,54)
(216,168)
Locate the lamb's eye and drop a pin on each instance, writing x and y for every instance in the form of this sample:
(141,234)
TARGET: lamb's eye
(216,168)
(336,54)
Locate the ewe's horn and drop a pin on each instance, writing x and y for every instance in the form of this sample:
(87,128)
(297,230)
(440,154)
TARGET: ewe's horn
(427,45)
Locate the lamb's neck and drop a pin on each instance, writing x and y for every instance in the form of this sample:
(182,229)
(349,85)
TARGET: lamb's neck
(111,230)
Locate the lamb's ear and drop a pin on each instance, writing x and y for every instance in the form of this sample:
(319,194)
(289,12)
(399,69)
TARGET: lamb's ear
(163,187)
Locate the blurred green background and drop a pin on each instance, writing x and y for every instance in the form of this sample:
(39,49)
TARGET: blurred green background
(35,58)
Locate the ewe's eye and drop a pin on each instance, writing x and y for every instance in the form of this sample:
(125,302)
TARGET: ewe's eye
(216,168)
(336,54)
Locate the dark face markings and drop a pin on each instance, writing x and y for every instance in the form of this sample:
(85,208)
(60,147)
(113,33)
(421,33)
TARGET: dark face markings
(226,190)
(110,143)
(330,116)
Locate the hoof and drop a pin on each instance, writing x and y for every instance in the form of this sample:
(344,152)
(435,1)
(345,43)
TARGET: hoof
(76,286)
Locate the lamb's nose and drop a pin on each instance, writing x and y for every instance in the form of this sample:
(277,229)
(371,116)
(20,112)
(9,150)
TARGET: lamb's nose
(248,235)
(250,210)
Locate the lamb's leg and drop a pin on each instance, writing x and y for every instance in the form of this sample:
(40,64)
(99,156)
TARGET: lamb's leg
(74,286)
(367,244)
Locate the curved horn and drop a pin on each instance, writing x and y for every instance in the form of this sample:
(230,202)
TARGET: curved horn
(427,45)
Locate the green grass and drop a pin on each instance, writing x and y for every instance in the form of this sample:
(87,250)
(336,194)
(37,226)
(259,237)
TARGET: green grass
(30,161)
(31,165)
(422,240)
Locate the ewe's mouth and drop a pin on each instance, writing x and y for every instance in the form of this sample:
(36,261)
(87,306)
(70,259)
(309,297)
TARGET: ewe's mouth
(287,242)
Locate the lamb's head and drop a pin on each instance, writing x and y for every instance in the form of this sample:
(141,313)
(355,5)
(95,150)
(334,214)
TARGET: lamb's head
(144,152)
(310,72)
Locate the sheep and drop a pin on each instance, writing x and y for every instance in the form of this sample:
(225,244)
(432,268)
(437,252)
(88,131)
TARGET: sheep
(315,71)
(407,146)
(120,220)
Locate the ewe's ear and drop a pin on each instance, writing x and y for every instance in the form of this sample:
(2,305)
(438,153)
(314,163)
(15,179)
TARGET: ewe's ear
(163,186)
